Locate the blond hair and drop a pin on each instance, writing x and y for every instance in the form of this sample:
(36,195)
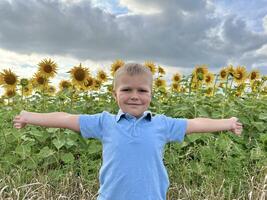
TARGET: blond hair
(132,69)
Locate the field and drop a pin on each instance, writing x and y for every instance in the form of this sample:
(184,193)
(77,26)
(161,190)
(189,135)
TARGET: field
(50,163)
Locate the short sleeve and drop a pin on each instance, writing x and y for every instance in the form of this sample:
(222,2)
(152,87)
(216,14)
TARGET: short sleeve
(91,125)
(176,129)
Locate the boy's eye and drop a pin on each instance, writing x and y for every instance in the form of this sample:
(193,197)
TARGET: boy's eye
(143,90)
(125,89)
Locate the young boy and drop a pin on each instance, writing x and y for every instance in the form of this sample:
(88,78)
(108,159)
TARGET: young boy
(133,140)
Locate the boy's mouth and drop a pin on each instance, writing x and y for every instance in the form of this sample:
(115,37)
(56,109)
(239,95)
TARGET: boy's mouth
(133,104)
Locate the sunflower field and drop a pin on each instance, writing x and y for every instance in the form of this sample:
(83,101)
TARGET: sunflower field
(51,163)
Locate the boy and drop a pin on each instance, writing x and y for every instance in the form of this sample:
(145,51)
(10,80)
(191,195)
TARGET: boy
(133,140)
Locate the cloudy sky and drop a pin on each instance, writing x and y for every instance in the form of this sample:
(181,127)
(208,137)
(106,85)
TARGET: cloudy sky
(176,34)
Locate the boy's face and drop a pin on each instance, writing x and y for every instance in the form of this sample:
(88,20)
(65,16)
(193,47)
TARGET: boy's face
(133,93)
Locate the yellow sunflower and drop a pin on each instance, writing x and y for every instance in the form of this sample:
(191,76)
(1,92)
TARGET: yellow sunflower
(102,76)
(116,65)
(89,83)
(209,92)
(195,83)
(175,87)
(8,79)
(10,92)
(96,84)
(240,75)
(1,80)
(209,78)
(64,85)
(183,89)
(51,90)
(39,81)
(254,75)
(27,90)
(241,88)
(161,70)
(223,73)
(160,83)
(230,70)
(47,68)
(151,66)
(200,72)
(255,85)
(176,78)
(79,75)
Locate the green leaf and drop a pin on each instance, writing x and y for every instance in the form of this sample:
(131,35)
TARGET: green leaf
(260,126)
(58,143)
(263,116)
(23,151)
(45,152)
(68,158)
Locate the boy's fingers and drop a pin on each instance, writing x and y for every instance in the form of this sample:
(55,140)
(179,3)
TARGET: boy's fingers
(17,119)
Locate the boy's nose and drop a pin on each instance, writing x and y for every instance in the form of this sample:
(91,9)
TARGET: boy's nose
(134,95)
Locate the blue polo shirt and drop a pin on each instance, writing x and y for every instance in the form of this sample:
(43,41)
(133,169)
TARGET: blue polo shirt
(132,167)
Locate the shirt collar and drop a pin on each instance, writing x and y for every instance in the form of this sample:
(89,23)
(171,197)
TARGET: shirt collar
(146,114)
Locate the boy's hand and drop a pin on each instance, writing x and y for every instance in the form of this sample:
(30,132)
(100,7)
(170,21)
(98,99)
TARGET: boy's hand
(236,127)
(20,120)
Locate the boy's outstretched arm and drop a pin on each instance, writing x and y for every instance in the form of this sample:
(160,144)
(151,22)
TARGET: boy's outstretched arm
(199,125)
(53,120)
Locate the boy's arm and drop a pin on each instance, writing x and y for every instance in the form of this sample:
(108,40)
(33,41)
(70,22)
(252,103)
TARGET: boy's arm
(199,125)
(53,120)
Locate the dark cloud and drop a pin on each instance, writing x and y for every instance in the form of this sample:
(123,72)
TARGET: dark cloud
(184,33)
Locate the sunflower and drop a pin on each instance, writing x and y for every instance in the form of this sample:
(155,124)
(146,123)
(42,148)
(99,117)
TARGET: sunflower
(39,81)
(175,87)
(176,78)
(151,66)
(240,89)
(27,90)
(160,83)
(88,85)
(240,75)
(96,84)
(116,65)
(10,92)
(47,68)
(102,76)
(194,85)
(230,70)
(209,78)
(183,89)
(161,70)
(8,79)
(1,80)
(224,73)
(221,85)
(51,90)
(209,92)
(255,85)
(200,72)
(79,75)
(254,75)
(64,85)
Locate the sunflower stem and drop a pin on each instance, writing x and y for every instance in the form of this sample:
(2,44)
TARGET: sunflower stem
(215,82)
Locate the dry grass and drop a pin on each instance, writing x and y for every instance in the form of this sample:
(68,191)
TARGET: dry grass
(69,188)
(74,188)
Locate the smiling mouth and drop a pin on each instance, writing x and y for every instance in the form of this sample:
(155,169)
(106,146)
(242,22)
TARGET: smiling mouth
(133,104)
